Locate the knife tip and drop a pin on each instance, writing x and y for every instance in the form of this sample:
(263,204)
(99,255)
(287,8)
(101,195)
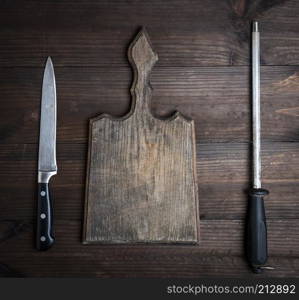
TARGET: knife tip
(49,61)
(49,64)
(49,70)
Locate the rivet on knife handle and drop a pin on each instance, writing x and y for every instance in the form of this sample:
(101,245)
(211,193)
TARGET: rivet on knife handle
(256,227)
(47,166)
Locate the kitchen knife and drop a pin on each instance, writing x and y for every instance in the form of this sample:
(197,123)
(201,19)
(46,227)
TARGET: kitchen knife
(47,166)
(256,238)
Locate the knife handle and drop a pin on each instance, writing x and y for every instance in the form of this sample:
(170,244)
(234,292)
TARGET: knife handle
(44,232)
(256,230)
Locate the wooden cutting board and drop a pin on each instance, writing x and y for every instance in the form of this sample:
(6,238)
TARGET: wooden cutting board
(141,174)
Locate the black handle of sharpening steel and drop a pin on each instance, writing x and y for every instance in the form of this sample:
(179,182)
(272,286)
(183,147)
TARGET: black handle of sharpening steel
(44,232)
(256,230)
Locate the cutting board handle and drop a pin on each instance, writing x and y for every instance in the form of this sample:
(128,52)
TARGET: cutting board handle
(142,58)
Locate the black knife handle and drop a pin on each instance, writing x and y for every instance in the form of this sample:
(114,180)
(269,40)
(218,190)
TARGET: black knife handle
(256,230)
(44,232)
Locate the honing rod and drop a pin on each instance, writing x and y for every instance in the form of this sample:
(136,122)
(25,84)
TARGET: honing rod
(256,228)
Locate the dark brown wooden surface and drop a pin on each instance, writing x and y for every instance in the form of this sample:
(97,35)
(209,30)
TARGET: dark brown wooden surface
(203,71)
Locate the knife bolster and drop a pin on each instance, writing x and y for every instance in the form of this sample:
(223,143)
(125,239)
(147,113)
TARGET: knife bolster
(44,177)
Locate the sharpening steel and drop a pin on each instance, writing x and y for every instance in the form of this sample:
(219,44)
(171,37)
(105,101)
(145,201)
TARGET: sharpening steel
(256,239)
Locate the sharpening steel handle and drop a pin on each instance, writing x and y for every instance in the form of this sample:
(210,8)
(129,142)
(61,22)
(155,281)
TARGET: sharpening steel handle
(256,231)
(44,232)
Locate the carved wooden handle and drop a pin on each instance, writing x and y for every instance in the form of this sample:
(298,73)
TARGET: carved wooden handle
(142,58)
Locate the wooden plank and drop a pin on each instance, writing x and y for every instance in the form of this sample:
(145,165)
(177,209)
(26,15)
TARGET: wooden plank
(216,201)
(282,241)
(141,182)
(210,258)
(223,177)
(227,162)
(216,98)
(85,266)
(185,32)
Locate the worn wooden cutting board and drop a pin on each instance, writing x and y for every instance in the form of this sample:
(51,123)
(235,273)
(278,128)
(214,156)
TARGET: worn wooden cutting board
(141,175)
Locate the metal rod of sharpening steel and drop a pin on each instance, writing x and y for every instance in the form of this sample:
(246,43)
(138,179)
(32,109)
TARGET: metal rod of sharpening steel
(256,119)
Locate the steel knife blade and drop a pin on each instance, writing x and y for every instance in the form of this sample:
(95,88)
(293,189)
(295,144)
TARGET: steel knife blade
(47,166)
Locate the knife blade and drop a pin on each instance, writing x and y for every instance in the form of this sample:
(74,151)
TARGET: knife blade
(47,166)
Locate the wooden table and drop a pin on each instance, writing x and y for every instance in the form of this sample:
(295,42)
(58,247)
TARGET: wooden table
(203,71)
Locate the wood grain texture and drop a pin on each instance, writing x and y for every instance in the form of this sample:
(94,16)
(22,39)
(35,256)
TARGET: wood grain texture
(199,33)
(223,173)
(216,98)
(209,258)
(161,265)
(141,183)
(203,72)
(228,231)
